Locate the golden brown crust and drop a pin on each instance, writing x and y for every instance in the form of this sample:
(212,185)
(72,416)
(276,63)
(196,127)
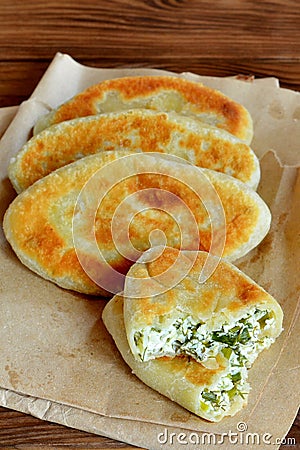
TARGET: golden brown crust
(153,92)
(137,131)
(38,224)
(227,293)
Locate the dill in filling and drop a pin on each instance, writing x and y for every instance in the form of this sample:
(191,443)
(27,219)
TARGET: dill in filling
(239,344)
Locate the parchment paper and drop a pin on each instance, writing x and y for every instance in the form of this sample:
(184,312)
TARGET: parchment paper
(57,360)
(6,116)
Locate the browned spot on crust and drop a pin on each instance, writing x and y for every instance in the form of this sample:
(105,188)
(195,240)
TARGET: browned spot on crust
(200,375)
(149,307)
(193,371)
(241,163)
(134,131)
(200,97)
(233,284)
(40,230)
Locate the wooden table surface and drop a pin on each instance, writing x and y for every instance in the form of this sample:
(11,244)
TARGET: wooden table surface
(226,37)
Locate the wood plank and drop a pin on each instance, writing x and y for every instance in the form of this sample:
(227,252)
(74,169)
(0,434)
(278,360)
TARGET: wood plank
(21,430)
(145,29)
(18,79)
(25,432)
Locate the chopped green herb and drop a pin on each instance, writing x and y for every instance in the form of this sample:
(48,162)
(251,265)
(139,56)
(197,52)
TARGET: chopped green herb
(227,351)
(244,336)
(236,377)
(242,394)
(226,338)
(234,329)
(210,396)
(241,359)
(232,392)
(204,406)
(137,337)
(144,353)
(263,319)
(234,335)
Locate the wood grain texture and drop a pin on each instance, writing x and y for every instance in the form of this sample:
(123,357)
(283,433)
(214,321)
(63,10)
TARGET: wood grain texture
(252,29)
(23,431)
(227,37)
(233,36)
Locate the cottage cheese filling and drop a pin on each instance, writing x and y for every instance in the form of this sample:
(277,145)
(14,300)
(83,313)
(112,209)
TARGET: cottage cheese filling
(240,342)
